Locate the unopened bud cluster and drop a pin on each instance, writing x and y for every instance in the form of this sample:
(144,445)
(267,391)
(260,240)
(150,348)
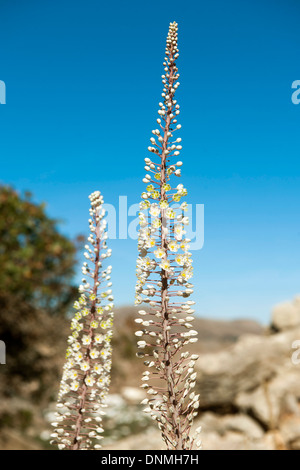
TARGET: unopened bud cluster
(164,270)
(86,375)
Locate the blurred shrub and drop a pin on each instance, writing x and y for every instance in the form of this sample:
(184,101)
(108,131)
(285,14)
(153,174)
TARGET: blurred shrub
(36,269)
(37,262)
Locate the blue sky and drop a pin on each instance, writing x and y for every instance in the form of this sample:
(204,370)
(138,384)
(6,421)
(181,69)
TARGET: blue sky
(83,86)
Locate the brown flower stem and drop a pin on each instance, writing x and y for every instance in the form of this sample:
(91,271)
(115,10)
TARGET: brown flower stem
(169,367)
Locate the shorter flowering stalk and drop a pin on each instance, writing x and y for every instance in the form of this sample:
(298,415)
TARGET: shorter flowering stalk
(86,373)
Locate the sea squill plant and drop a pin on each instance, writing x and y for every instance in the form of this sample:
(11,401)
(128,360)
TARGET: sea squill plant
(164,270)
(86,373)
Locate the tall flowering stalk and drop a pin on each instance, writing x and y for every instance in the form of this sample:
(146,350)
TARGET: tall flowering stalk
(164,269)
(86,373)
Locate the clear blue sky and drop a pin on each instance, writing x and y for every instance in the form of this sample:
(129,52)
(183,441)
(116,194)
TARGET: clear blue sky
(83,85)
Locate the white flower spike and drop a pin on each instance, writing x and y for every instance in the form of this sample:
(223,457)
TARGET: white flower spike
(164,267)
(86,374)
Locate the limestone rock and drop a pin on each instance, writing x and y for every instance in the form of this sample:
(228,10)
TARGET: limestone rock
(237,423)
(286,315)
(273,399)
(290,431)
(133,395)
(252,361)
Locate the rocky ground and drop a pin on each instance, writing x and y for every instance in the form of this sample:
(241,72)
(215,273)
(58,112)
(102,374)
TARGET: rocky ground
(248,378)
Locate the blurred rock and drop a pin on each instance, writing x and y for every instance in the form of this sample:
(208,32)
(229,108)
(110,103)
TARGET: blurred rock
(290,431)
(239,423)
(12,440)
(272,399)
(133,395)
(251,362)
(150,439)
(263,406)
(286,315)
(217,435)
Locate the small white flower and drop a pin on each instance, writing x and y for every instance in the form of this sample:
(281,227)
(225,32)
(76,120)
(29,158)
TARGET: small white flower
(89,380)
(74,386)
(165,264)
(159,253)
(84,366)
(78,357)
(180,259)
(154,210)
(86,340)
(98,339)
(98,369)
